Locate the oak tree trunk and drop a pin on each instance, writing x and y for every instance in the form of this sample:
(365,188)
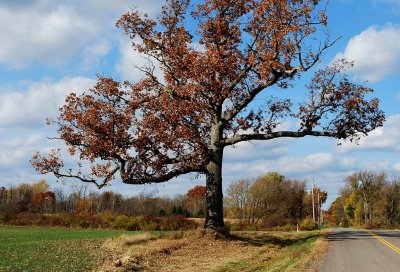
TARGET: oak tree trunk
(214,196)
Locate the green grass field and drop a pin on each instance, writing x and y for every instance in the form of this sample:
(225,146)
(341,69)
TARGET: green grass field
(51,249)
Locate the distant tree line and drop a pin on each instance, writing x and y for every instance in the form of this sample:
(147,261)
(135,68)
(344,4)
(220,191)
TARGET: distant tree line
(39,198)
(272,200)
(368,199)
(268,201)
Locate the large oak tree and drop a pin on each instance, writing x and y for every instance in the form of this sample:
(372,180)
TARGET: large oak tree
(216,57)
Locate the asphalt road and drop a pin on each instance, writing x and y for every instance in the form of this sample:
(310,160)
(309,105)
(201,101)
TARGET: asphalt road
(361,251)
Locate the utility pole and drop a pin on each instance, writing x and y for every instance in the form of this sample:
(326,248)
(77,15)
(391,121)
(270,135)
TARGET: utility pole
(319,210)
(312,195)
(321,213)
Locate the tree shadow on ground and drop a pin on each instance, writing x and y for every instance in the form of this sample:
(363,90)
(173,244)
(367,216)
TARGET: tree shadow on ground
(263,240)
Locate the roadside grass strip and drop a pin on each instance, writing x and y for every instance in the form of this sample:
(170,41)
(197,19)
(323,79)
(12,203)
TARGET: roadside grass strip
(383,241)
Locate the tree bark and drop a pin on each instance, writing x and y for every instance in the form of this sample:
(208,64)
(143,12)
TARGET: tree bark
(214,198)
(214,195)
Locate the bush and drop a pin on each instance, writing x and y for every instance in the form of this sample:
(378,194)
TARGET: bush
(287,227)
(242,226)
(276,220)
(5,218)
(27,219)
(344,223)
(108,219)
(135,223)
(308,224)
(177,222)
(121,222)
(53,220)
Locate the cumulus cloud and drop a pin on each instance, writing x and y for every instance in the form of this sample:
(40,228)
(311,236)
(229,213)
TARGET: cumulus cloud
(94,53)
(250,151)
(22,124)
(130,60)
(286,165)
(47,36)
(386,138)
(53,31)
(41,100)
(396,166)
(17,148)
(348,163)
(375,52)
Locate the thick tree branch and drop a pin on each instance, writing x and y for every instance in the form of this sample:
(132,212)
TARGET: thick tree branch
(163,177)
(272,135)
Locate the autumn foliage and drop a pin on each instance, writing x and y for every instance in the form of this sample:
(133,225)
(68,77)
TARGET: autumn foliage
(216,57)
(272,201)
(196,200)
(368,199)
(35,204)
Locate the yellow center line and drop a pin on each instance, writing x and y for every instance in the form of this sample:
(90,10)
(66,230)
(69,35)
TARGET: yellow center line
(383,241)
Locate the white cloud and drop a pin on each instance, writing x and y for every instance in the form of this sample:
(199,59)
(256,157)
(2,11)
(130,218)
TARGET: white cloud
(53,31)
(305,164)
(386,138)
(41,100)
(17,148)
(22,125)
(49,36)
(94,53)
(376,52)
(255,150)
(348,163)
(396,166)
(287,165)
(130,60)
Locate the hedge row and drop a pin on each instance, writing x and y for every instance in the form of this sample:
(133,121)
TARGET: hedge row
(105,220)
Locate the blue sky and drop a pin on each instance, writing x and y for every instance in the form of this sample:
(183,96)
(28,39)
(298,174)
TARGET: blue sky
(51,48)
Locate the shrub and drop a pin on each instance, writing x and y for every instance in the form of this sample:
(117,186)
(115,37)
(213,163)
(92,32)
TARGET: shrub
(54,220)
(121,222)
(27,219)
(135,223)
(242,226)
(344,223)
(108,219)
(308,224)
(287,227)
(177,222)
(276,220)
(5,218)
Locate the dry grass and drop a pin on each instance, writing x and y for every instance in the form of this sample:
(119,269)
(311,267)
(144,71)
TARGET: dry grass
(199,251)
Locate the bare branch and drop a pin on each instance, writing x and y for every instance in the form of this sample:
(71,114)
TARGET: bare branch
(85,179)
